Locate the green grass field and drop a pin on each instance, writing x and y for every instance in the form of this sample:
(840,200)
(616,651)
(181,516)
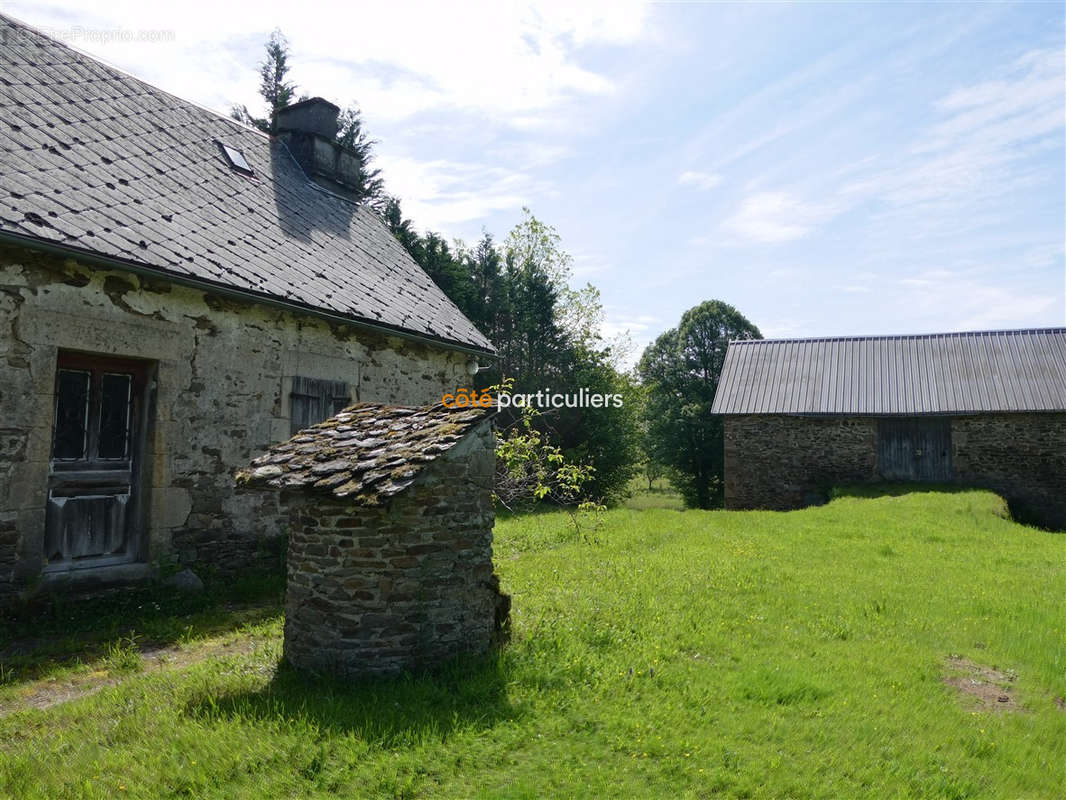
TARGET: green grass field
(673,654)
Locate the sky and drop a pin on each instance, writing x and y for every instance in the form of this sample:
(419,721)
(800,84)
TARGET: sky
(829,169)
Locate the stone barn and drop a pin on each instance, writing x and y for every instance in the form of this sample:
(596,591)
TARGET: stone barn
(985,409)
(390,544)
(177,293)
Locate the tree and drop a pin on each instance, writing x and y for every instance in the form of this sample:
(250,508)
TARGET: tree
(680,372)
(578,312)
(650,467)
(546,335)
(400,227)
(278,93)
(273,86)
(352,137)
(607,437)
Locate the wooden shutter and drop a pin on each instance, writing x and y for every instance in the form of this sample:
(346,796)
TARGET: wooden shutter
(315,400)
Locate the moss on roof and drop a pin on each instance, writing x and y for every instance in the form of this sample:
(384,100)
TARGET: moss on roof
(368,452)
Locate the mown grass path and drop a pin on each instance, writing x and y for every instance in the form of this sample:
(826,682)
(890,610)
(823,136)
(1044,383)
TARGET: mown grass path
(681,654)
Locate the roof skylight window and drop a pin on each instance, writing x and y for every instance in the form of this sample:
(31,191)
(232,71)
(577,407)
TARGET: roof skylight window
(236,159)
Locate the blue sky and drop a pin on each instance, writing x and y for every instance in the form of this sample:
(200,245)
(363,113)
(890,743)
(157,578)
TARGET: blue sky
(828,169)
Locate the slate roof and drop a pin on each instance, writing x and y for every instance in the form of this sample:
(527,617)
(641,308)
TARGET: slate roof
(95,160)
(368,452)
(946,373)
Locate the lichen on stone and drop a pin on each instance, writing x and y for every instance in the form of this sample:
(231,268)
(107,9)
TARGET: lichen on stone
(366,453)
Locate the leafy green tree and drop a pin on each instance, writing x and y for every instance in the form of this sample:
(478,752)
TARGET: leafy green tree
(531,470)
(609,436)
(680,372)
(546,335)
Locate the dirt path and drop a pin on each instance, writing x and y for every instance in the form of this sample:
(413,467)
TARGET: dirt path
(47,692)
(988,689)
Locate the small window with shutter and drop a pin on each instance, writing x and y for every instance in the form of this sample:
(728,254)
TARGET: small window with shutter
(316,399)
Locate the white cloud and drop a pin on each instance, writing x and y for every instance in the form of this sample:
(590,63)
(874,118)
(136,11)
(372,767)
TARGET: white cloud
(477,71)
(773,217)
(701,180)
(640,329)
(785,328)
(977,146)
(440,194)
(507,60)
(587,264)
(956,300)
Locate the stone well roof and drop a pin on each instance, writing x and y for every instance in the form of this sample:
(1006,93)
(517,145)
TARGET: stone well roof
(97,162)
(368,452)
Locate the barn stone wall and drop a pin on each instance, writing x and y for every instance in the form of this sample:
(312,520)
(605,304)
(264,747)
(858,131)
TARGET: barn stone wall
(222,371)
(404,586)
(783,462)
(1020,456)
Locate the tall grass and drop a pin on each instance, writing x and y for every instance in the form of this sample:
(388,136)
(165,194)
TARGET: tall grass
(687,655)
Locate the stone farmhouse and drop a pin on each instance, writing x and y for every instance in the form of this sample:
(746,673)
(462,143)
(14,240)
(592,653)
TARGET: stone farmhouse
(178,293)
(985,409)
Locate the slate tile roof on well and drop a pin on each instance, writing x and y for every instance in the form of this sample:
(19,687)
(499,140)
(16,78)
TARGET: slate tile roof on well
(368,452)
(96,160)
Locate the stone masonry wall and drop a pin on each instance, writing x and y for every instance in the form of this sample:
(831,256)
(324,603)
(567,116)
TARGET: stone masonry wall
(222,372)
(1020,456)
(782,462)
(405,586)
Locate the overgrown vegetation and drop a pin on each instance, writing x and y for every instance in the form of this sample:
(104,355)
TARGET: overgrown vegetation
(547,337)
(518,294)
(687,654)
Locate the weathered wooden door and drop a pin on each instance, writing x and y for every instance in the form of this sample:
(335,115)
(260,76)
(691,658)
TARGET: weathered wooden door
(915,449)
(97,449)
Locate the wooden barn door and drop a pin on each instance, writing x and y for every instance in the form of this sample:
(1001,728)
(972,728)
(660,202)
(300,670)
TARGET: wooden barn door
(915,449)
(97,450)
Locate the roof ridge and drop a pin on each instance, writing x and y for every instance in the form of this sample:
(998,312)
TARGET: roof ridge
(966,372)
(887,336)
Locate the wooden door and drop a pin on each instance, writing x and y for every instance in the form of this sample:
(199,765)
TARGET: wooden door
(97,451)
(915,449)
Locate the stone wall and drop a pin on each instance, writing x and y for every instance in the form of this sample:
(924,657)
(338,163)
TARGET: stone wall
(783,462)
(403,586)
(1020,456)
(222,372)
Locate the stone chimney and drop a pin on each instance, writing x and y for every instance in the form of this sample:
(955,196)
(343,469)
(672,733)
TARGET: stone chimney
(309,129)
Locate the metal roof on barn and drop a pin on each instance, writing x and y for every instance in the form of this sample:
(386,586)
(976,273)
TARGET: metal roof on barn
(942,373)
(97,162)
